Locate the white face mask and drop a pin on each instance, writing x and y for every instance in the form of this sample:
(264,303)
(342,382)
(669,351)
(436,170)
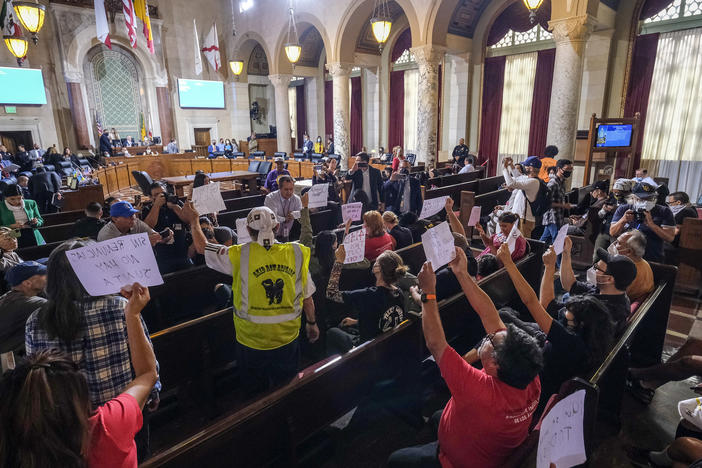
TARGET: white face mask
(644,204)
(612,249)
(592,276)
(677,209)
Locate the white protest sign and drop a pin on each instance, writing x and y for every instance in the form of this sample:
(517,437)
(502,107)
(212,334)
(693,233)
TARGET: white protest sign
(318,195)
(351,211)
(560,239)
(474,216)
(208,199)
(438,245)
(355,246)
(105,267)
(561,436)
(512,238)
(432,206)
(242,234)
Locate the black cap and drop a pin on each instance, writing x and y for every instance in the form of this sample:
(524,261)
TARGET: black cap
(601,185)
(620,267)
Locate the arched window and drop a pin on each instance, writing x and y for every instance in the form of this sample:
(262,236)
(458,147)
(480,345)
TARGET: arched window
(115,91)
(514,38)
(676,10)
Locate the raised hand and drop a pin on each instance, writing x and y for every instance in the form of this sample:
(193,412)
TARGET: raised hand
(549,258)
(504,255)
(427,278)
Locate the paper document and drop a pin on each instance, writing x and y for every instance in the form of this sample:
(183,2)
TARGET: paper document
(560,239)
(351,211)
(432,206)
(561,440)
(208,199)
(318,195)
(438,245)
(355,246)
(474,216)
(242,234)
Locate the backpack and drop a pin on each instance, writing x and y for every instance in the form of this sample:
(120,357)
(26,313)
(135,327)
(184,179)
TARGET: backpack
(542,202)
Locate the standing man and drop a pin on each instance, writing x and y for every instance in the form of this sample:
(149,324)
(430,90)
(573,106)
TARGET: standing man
(271,183)
(43,186)
(307,146)
(271,288)
(330,144)
(283,202)
(172,147)
(460,153)
(403,192)
(529,186)
(105,144)
(547,162)
(37,154)
(368,179)
(554,218)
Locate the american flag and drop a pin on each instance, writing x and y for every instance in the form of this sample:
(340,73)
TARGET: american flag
(130,21)
(98,124)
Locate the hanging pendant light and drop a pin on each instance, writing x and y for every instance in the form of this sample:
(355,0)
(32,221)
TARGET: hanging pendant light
(237,66)
(292,48)
(18,46)
(381,22)
(31,15)
(532,6)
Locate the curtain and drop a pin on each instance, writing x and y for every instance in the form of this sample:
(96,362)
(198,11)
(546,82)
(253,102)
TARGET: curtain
(541,102)
(517,97)
(328,108)
(356,118)
(300,114)
(493,81)
(292,108)
(673,131)
(410,105)
(397,110)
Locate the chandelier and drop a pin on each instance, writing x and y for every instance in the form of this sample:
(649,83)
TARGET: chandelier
(381,22)
(532,6)
(31,15)
(237,66)
(292,47)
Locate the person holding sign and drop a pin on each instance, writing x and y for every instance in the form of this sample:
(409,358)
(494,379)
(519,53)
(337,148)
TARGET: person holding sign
(283,202)
(271,288)
(367,179)
(377,239)
(506,223)
(403,192)
(490,410)
(271,184)
(66,426)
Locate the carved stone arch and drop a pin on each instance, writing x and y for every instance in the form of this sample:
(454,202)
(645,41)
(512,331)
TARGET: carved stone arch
(304,21)
(251,46)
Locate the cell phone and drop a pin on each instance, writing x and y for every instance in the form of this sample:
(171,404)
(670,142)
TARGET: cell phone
(165,233)
(172,199)
(137,199)
(363,164)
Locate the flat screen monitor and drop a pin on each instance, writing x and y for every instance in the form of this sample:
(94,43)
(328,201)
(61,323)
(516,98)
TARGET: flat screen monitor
(21,86)
(613,136)
(201,94)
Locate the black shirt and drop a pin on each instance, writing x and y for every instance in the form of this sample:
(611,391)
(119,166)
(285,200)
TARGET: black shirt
(167,218)
(379,309)
(565,355)
(687,212)
(87,227)
(402,235)
(460,152)
(618,305)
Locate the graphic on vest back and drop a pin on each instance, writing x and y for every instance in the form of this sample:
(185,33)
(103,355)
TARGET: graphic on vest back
(274,291)
(391,318)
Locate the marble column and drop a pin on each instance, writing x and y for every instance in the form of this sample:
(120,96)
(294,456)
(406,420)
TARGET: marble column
(454,122)
(428,58)
(241,122)
(342,132)
(571,35)
(371,107)
(282,112)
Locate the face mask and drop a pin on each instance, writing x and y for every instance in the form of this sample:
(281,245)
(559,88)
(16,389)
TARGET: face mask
(677,209)
(592,276)
(567,174)
(404,171)
(612,249)
(644,205)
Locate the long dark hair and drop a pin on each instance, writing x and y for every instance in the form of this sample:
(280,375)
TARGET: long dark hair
(323,250)
(62,315)
(199,179)
(44,411)
(595,324)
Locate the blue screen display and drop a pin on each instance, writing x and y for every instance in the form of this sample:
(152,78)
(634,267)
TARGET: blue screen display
(201,94)
(613,136)
(21,86)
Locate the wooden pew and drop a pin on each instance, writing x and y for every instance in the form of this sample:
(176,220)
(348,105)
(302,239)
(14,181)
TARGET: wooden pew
(490,184)
(453,179)
(36,252)
(63,217)
(488,201)
(57,232)
(240,203)
(454,191)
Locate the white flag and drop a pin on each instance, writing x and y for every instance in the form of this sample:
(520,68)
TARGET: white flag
(198,57)
(130,21)
(211,48)
(103,29)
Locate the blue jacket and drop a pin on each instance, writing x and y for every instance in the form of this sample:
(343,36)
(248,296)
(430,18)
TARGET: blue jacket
(393,195)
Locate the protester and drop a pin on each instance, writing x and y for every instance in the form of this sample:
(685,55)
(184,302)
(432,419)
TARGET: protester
(377,239)
(548,162)
(164,214)
(26,281)
(325,175)
(632,244)
(91,225)
(507,222)
(526,189)
(486,265)
(123,221)
(402,235)
(554,218)
(397,157)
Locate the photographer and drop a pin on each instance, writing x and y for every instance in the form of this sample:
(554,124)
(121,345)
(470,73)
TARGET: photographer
(403,192)
(656,222)
(163,214)
(324,174)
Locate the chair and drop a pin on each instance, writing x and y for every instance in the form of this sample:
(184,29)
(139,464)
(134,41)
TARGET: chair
(84,164)
(265,167)
(144,180)
(237,154)
(334,156)
(49,167)
(65,169)
(316,157)
(281,154)
(411,157)
(299,156)
(257,154)
(253,166)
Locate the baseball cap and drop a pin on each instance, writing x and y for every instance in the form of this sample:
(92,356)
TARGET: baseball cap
(122,209)
(223,234)
(23,271)
(601,185)
(620,267)
(532,161)
(279,159)
(263,220)
(623,184)
(644,190)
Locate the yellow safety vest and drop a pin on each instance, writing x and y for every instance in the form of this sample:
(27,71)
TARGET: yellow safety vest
(268,286)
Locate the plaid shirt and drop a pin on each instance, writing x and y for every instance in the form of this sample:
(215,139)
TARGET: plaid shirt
(101,352)
(557,192)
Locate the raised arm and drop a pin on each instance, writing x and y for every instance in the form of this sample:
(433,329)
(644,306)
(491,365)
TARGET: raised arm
(479,300)
(191,216)
(526,293)
(434,336)
(567,274)
(547,293)
(305,222)
(333,293)
(140,350)
(453,220)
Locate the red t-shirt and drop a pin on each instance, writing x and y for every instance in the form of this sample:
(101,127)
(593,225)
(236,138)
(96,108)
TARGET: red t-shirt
(377,245)
(485,419)
(396,163)
(113,427)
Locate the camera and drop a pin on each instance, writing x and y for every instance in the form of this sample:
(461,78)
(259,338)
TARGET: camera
(170,198)
(640,215)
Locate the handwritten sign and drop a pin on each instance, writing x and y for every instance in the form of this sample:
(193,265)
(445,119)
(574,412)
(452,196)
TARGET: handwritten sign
(561,439)
(438,245)
(355,246)
(514,234)
(208,199)
(351,211)
(560,239)
(318,195)
(432,206)
(242,234)
(105,267)
(474,216)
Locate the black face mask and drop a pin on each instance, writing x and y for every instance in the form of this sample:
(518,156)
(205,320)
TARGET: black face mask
(404,171)
(567,174)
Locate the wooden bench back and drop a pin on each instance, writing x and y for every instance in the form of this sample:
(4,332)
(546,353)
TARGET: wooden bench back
(490,184)
(63,217)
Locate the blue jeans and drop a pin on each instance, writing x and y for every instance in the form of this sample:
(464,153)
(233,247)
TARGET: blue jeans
(549,236)
(420,456)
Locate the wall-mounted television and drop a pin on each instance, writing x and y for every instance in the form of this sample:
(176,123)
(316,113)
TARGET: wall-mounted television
(21,86)
(201,94)
(614,136)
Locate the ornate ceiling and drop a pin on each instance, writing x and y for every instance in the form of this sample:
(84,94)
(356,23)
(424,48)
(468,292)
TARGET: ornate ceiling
(258,65)
(312,47)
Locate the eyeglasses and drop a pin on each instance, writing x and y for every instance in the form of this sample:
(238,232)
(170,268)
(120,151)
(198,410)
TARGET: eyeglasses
(489,337)
(599,269)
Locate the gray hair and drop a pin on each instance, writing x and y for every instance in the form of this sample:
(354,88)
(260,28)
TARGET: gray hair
(637,243)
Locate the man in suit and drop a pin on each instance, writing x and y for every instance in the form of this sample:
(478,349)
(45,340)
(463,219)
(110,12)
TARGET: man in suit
(23,159)
(307,146)
(105,143)
(129,142)
(37,154)
(403,192)
(4,154)
(43,185)
(368,179)
(172,147)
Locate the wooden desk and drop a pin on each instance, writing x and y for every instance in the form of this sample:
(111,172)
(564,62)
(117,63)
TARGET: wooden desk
(78,199)
(181,181)
(133,150)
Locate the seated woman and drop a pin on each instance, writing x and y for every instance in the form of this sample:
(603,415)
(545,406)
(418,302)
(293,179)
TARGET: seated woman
(23,215)
(377,239)
(506,222)
(46,411)
(402,235)
(8,245)
(380,307)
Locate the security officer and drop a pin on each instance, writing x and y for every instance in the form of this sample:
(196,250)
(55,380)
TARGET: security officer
(271,288)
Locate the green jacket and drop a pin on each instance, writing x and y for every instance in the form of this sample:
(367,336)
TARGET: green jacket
(32,210)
